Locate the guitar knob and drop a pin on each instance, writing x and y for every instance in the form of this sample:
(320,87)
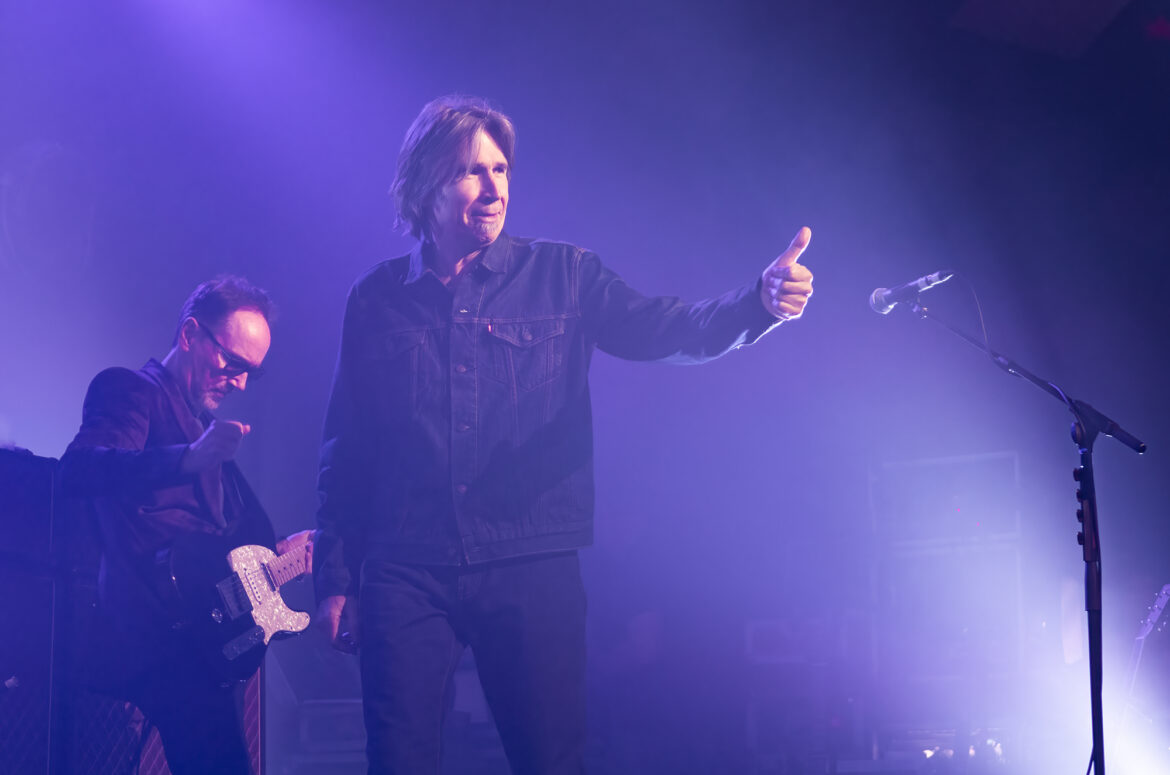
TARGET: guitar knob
(217,615)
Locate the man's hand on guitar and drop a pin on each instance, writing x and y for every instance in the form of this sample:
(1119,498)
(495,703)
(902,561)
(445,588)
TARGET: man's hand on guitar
(337,618)
(218,443)
(295,541)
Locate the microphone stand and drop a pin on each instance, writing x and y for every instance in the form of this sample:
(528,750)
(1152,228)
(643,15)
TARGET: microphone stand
(1087,424)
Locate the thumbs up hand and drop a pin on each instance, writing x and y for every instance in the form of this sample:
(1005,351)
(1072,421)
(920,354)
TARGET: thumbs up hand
(786,285)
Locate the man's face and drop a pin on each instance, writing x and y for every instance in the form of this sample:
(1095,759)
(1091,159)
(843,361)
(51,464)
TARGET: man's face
(225,354)
(469,212)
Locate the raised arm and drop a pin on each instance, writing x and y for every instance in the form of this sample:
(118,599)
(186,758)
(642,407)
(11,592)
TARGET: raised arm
(636,327)
(109,454)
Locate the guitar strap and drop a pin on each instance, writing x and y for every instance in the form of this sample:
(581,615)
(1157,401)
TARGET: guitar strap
(246,517)
(242,512)
(210,489)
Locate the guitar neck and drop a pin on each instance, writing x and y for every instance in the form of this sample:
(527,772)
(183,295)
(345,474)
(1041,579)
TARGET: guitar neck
(290,565)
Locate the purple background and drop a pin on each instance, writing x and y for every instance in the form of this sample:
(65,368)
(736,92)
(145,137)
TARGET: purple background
(146,146)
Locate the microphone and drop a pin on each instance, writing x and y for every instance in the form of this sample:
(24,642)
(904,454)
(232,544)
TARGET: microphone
(882,300)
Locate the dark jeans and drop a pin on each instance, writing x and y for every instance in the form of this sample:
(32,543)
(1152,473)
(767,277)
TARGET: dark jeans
(524,620)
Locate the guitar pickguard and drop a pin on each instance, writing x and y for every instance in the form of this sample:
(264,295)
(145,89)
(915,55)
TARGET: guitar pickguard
(269,611)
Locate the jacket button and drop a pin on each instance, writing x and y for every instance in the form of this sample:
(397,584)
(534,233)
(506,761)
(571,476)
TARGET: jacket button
(462,369)
(463,427)
(461,489)
(526,336)
(464,310)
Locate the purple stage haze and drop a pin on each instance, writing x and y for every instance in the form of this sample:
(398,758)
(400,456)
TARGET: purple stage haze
(777,530)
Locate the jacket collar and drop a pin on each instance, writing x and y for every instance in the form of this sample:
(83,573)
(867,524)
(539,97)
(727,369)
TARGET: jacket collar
(183,412)
(210,483)
(496,257)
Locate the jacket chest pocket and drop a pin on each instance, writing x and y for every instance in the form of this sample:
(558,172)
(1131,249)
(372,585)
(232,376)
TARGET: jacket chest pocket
(393,361)
(527,354)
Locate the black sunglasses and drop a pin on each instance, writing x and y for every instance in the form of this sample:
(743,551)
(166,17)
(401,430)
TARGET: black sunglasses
(233,365)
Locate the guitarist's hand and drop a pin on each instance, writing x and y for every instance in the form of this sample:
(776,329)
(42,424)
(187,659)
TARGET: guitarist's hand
(218,443)
(295,541)
(337,618)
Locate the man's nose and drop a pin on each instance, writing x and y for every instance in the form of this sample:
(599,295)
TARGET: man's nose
(240,381)
(490,188)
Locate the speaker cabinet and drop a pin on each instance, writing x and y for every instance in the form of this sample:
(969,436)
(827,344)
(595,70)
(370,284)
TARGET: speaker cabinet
(947,646)
(25,603)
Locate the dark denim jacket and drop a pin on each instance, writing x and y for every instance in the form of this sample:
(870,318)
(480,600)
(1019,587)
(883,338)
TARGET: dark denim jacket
(459,426)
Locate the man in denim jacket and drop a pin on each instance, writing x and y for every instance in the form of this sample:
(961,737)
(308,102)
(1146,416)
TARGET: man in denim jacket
(456,470)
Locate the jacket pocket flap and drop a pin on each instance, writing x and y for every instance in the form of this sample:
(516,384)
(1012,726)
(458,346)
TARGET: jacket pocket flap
(527,333)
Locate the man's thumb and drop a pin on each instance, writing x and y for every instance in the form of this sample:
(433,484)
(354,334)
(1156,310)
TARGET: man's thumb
(795,248)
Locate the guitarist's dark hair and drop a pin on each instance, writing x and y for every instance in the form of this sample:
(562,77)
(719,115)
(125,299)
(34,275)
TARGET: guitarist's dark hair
(215,299)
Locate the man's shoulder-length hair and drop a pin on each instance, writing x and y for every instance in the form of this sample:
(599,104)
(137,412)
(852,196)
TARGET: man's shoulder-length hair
(435,153)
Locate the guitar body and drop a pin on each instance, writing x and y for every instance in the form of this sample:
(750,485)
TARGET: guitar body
(229,599)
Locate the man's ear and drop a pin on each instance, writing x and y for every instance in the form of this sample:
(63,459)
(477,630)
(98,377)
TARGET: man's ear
(187,331)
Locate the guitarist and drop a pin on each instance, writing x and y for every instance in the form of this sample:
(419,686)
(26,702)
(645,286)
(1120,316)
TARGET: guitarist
(156,466)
